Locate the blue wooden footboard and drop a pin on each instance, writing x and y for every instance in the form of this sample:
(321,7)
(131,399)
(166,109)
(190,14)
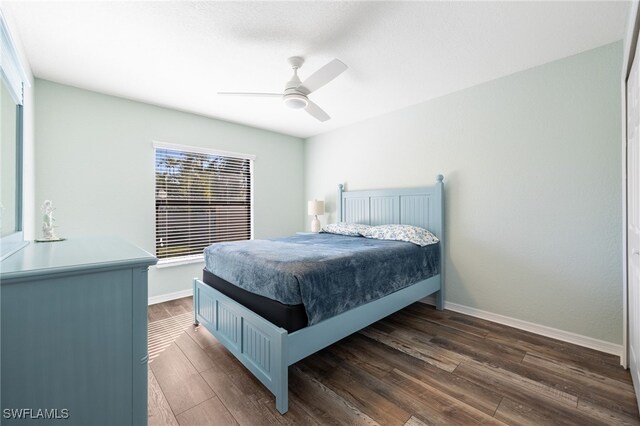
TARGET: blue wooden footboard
(267,350)
(258,344)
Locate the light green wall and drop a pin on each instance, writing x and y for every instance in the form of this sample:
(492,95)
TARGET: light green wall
(531,162)
(532,169)
(95,161)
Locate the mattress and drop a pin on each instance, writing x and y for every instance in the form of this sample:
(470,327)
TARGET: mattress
(289,317)
(328,274)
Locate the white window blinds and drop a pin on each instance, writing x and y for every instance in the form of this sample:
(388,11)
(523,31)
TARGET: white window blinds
(201,198)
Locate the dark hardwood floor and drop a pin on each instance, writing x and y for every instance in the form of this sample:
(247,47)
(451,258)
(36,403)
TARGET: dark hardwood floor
(418,366)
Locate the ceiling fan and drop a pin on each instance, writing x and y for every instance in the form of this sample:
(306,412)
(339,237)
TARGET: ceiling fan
(296,92)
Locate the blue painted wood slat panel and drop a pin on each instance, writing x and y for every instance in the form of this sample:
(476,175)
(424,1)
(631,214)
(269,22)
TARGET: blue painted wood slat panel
(414,210)
(260,345)
(384,210)
(356,210)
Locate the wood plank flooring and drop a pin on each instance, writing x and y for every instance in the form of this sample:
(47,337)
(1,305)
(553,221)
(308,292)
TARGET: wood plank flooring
(418,366)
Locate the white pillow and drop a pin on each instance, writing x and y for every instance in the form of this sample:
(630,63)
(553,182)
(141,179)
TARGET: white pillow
(412,234)
(343,228)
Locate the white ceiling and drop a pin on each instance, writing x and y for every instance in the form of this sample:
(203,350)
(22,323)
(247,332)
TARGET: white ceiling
(179,54)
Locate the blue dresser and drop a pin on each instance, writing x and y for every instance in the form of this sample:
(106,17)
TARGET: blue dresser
(74,333)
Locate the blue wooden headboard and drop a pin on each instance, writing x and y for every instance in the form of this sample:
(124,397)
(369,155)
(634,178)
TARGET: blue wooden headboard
(422,207)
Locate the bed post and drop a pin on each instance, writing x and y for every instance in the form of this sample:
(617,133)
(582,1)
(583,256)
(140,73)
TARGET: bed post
(195,303)
(281,373)
(440,220)
(339,203)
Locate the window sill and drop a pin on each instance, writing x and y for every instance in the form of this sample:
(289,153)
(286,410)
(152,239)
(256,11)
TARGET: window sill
(178,261)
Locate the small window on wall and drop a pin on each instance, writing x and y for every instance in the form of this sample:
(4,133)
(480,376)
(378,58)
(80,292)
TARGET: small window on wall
(202,197)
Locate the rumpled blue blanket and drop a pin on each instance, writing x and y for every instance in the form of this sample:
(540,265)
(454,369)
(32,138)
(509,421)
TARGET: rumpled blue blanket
(328,273)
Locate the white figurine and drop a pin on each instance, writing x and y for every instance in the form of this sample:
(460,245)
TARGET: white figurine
(48,233)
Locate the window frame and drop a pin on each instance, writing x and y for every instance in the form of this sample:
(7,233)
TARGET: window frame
(198,258)
(14,77)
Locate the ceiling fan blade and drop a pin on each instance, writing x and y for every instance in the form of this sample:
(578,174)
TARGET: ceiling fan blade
(322,76)
(262,95)
(317,112)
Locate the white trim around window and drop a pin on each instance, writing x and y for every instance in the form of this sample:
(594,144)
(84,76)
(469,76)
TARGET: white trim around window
(178,261)
(201,150)
(11,70)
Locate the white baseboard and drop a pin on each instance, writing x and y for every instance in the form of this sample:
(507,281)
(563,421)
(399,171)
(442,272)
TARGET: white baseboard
(170,296)
(543,330)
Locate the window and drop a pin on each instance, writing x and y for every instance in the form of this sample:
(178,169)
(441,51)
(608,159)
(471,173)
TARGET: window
(202,197)
(13,81)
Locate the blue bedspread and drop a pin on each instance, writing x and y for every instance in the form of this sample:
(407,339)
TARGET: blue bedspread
(328,273)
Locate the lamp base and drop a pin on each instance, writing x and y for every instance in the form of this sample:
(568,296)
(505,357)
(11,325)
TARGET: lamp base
(315,224)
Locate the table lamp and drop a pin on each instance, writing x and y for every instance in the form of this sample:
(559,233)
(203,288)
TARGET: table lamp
(315,208)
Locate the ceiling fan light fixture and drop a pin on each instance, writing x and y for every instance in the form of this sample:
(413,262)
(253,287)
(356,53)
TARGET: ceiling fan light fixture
(295,101)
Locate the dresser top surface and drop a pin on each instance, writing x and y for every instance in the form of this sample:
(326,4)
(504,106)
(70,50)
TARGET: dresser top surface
(73,255)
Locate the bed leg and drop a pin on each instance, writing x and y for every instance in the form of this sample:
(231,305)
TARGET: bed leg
(439,300)
(195,304)
(281,374)
(282,402)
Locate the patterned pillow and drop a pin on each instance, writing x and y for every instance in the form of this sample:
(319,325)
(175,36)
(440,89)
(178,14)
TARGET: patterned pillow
(412,234)
(343,228)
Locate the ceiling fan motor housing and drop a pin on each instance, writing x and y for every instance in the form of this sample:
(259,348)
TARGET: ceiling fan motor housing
(292,97)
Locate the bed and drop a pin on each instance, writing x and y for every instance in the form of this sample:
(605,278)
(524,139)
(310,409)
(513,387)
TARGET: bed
(267,347)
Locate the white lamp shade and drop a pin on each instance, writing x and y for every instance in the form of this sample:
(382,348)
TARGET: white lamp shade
(315,207)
